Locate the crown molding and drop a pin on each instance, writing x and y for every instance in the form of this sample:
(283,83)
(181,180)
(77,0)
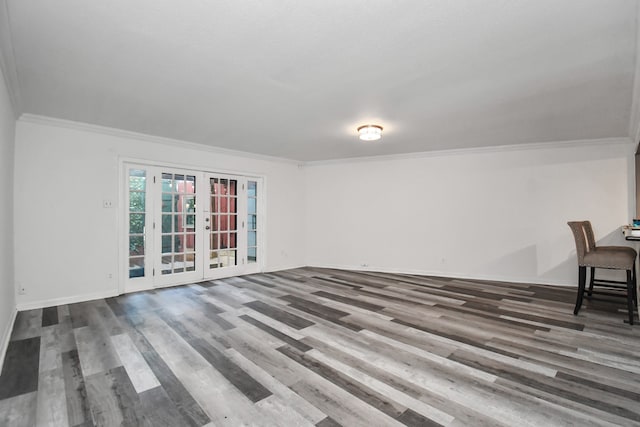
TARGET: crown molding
(634,117)
(12,88)
(479,150)
(125,134)
(8,63)
(119,133)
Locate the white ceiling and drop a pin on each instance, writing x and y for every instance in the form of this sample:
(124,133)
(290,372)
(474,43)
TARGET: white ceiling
(294,79)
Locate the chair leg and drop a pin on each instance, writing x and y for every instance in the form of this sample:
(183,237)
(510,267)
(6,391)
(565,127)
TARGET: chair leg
(630,304)
(635,286)
(591,280)
(582,278)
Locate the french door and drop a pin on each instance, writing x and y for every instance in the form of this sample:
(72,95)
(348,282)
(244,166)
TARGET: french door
(184,226)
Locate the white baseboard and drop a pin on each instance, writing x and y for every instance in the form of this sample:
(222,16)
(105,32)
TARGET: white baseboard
(6,336)
(281,268)
(31,305)
(114,292)
(448,274)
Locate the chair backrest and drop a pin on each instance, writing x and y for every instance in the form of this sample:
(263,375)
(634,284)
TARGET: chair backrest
(585,241)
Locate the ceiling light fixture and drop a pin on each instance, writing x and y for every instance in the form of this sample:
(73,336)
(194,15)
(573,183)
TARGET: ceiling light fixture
(370,132)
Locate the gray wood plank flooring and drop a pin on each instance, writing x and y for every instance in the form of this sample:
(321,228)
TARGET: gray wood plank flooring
(326,347)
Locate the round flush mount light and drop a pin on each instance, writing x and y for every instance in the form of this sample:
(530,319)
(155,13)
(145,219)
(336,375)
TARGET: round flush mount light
(370,132)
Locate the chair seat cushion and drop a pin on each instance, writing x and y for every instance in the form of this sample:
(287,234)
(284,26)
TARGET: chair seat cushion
(618,257)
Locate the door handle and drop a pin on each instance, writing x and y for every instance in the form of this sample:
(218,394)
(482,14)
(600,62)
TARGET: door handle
(207,227)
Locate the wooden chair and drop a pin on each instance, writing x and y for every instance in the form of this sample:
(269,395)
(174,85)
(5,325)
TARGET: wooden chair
(609,257)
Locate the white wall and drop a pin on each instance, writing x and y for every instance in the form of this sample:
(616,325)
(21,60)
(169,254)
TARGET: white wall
(7,292)
(67,243)
(495,214)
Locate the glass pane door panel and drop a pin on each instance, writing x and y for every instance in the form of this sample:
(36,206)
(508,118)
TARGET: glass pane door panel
(190,242)
(137,194)
(252,189)
(252,254)
(252,222)
(178,221)
(136,201)
(223,222)
(166,244)
(190,261)
(136,223)
(136,245)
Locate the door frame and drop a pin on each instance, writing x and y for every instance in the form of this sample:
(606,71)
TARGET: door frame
(122,220)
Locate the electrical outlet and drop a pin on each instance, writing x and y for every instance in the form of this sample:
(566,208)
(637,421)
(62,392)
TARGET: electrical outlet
(107,204)
(109,275)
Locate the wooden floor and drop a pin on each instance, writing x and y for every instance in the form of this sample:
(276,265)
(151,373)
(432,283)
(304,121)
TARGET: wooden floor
(325,348)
